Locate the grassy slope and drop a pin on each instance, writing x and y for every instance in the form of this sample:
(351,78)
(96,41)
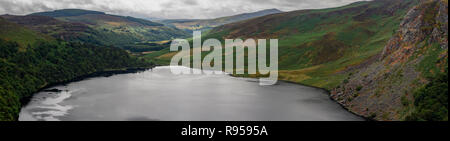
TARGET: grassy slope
(127,26)
(113,30)
(22,36)
(55,28)
(316,46)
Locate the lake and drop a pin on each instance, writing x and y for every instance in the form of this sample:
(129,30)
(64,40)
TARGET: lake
(159,95)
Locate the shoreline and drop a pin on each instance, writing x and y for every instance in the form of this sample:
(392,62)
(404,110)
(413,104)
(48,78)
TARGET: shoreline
(329,96)
(328,92)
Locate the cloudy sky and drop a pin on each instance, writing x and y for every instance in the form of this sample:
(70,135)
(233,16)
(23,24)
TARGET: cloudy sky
(169,9)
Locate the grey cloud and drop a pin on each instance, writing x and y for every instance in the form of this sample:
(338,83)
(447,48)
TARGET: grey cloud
(184,9)
(8,7)
(190,2)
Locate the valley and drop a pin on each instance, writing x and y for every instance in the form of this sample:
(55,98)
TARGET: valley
(76,25)
(207,24)
(384,60)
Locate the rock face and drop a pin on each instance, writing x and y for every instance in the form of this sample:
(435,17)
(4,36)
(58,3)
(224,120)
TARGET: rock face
(384,89)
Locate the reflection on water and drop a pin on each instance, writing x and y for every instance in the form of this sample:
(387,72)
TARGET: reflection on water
(159,95)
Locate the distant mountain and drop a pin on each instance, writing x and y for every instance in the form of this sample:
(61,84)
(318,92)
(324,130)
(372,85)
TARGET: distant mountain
(67,13)
(155,19)
(57,28)
(99,28)
(94,17)
(194,24)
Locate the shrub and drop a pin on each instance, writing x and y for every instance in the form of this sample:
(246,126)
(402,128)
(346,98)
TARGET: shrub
(346,81)
(405,101)
(372,116)
(359,88)
(431,101)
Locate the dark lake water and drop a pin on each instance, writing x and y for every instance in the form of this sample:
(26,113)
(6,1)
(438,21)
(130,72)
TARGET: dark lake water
(157,94)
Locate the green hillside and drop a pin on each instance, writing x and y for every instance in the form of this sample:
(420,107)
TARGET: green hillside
(56,28)
(99,28)
(22,36)
(30,61)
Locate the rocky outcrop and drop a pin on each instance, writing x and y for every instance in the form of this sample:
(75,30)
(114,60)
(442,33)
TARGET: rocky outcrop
(384,90)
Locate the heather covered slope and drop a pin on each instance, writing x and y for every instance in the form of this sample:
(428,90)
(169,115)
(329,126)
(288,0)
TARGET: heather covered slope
(206,24)
(56,28)
(30,61)
(409,80)
(99,28)
(23,36)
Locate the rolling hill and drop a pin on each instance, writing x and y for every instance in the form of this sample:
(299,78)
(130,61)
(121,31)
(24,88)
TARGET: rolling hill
(22,36)
(192,24)
(98,28)
(55,28)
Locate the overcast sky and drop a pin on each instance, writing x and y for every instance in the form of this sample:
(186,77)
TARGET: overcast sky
(169,9)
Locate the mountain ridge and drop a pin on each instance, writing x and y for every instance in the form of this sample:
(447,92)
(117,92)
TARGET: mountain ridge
(99,28)
(205,24)
(67,13)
